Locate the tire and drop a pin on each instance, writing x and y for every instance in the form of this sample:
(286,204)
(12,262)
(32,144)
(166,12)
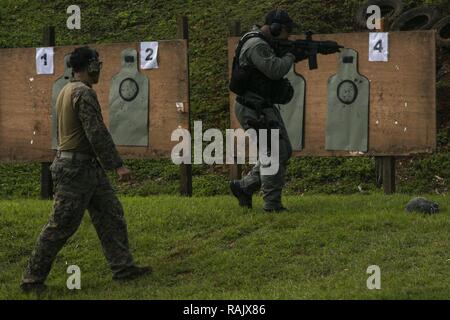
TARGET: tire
(443,32)
(422,18)
(390,9)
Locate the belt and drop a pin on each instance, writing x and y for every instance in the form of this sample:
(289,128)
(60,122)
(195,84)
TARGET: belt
(253,105)
(74,156)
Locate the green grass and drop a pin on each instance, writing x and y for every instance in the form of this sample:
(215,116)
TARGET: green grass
(209,248)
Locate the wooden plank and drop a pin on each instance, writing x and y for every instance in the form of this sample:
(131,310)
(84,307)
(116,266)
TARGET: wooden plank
(185,169)
(235,169)
(25,100)
(402,99)
(48,40)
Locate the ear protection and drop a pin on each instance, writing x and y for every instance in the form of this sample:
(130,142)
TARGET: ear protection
(275,27)
(94,65)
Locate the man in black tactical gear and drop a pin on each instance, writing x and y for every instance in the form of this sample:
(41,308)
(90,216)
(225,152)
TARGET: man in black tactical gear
(258,80)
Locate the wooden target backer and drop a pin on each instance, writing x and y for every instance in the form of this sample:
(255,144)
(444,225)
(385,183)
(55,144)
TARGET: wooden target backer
(402,110)
(25,99)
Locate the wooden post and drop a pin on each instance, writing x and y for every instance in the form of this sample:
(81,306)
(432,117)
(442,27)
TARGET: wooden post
(385,166)
(235,29)
(235,169)
(383,23)
(378,172)
(48,40)
(185,169)
(388,168)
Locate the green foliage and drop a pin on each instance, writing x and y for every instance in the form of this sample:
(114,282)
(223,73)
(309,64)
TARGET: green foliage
(210,248)
(331,175)
(105,21)
(19,180)
(210,185)
(427,173)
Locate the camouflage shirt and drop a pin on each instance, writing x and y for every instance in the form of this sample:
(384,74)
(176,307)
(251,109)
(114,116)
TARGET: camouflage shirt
(86,104)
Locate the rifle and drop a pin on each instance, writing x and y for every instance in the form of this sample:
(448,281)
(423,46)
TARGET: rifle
(310,47)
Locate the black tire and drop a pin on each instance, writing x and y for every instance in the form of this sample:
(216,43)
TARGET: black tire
(422,18)
(390,9)
(443,32)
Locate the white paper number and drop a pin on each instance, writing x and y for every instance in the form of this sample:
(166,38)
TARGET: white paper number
(378,46)
(149,55)
(44,60)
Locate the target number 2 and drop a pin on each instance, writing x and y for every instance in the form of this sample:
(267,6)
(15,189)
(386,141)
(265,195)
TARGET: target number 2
(149,55)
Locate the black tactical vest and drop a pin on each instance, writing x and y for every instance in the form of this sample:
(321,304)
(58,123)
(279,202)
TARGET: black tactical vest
(249,78)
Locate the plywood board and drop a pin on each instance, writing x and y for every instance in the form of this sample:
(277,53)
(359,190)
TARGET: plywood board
(25,99)
(402,111)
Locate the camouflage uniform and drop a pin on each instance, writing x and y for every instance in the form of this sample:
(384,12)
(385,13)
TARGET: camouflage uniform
(80,185)
(258,53)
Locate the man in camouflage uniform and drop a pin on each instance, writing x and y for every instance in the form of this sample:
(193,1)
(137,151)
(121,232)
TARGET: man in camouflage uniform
(256,109)
(85,151)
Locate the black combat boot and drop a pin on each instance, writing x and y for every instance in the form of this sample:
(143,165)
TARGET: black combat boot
(276,210)
(36,287)
(245,199)
(132,273)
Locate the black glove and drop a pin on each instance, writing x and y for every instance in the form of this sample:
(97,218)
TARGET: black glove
(299,54)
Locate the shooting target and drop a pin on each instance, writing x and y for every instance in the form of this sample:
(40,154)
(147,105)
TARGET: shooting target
(347,92)
(293,112)
(128,89)
(128,103)
(348,106)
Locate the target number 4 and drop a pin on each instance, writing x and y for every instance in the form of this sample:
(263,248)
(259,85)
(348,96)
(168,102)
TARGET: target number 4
(378,46)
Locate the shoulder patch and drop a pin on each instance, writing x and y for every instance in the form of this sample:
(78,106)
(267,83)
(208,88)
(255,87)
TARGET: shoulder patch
(264,51)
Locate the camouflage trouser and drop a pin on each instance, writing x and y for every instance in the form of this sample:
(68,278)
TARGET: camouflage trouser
(80,185)
(271,185)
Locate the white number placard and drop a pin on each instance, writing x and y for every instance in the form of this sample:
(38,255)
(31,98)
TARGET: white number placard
(149,55)
(379,46)
(44,60)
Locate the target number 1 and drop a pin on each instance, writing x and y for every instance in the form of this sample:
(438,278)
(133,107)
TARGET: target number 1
(44,60)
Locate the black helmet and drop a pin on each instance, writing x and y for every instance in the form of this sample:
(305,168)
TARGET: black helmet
(278,18)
